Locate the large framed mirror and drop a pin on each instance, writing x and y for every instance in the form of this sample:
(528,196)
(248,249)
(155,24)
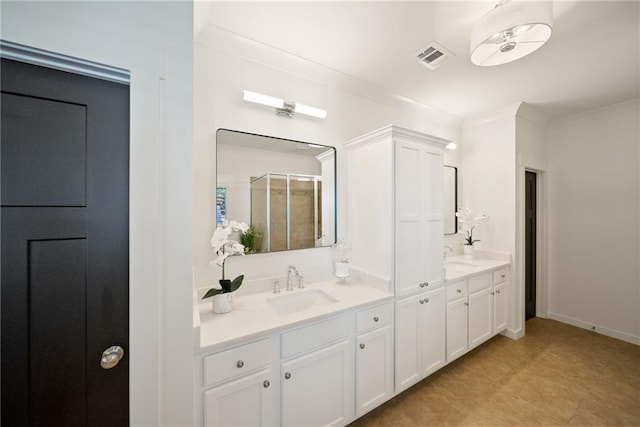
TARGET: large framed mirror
(450,199)
(284,189)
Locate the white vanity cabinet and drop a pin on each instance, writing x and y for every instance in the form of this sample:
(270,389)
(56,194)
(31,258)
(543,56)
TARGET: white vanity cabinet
(420,337)
(241,386)
(374,357)
(317,375)
(476,311)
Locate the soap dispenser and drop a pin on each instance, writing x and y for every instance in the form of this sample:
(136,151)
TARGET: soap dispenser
(341,254)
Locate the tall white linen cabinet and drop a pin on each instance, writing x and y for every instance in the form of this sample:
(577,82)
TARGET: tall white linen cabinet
(396,232)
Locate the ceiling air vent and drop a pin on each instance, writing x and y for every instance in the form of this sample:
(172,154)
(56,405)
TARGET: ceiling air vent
(433,55)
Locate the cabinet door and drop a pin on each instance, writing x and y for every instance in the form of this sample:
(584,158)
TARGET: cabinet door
(317,389)
(480,317)
(409,192)
(432,216)
(407,334)
(499,308)
(457,343)
(248,401)
(432,331)
(374,364)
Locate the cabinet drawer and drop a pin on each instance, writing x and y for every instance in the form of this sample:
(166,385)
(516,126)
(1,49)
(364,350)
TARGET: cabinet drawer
(479,283)
(456,290)
(499,276)
(237,361)
(374,317)
(314,336)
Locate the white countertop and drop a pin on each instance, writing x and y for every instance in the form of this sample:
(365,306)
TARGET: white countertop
(459,267)
(253,315)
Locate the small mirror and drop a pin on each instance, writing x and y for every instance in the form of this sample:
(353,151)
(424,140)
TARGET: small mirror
(285,190)
(450,200)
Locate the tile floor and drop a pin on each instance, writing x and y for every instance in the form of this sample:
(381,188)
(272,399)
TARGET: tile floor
(555,375)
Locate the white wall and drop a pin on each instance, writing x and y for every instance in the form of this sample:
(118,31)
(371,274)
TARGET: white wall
(488,186)
(222,70)
(154,41)
(531,155)
(593,221)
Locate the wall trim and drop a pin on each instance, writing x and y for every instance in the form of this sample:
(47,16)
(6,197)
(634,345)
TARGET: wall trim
(58,61)
(514,334)
(598,113)
(623,336)
(393,131)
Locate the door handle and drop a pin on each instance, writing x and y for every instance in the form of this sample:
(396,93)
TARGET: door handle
(111,357)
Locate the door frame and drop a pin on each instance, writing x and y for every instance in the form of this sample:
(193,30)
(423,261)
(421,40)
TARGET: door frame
(542,290)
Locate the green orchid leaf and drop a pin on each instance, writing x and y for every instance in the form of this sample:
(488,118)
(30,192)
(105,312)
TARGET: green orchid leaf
(226,285)
(236,283)
(211,292)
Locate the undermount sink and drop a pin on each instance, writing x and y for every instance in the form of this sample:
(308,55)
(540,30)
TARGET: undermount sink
(300,301)
(457,263)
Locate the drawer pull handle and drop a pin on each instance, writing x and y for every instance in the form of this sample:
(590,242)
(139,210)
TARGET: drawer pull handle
(375,319)
(287,375)
(239,364)
(459,291)
(266,384)
(362,346)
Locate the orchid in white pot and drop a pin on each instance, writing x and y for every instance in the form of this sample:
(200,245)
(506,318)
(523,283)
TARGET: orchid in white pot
(468,222)
(225,246)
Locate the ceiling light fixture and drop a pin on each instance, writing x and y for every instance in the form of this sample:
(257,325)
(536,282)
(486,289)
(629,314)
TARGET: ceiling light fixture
(511,30)
(283,108)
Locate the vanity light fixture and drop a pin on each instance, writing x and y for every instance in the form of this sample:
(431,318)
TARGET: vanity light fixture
(283,108)
(452,146)
(511,30)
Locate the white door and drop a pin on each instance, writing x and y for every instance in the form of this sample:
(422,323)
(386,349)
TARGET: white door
(249,401)
(432,331)
(457,326)
(374,369)
(499,308)
(480,317)
(317,389)
(407,334)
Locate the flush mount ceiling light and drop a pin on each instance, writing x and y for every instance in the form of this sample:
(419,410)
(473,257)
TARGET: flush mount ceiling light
(283,108)
(511,30)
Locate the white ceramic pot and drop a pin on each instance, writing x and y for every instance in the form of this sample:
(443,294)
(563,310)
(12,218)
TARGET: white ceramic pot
(222,303)
(469,251)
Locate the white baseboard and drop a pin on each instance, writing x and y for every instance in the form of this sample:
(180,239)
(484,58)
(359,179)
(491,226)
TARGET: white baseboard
(514,335)
(623,336)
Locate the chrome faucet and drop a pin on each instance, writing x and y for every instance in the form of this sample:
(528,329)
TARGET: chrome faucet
(445,252)
(290,275)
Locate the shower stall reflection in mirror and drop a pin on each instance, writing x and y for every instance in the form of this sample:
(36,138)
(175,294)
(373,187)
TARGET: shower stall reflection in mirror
(286,211)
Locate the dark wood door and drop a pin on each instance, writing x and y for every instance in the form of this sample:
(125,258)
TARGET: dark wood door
(530,245)
(65,247)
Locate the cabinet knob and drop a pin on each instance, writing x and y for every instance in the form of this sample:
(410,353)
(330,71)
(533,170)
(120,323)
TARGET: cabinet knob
(362,346)
(266,384)
(497,292)
(493,293)
(287,375)
(503,276)
(239,364)
(459,291)
(424,284)
(421,301)
(466,303)
(375,319)
(426,300)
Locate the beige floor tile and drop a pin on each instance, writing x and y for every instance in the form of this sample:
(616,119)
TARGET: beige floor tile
(555,375)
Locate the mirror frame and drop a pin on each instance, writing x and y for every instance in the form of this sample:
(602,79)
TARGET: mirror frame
(455,200)
(333,238)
